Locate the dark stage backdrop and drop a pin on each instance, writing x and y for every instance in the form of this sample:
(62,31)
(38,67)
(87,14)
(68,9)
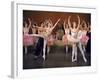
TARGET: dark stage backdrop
(40,16)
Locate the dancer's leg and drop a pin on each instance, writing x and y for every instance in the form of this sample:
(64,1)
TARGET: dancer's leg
(82,52)
(84,48)
(25,50)
(73,52)
(66,49)
(48,49)
(44,47)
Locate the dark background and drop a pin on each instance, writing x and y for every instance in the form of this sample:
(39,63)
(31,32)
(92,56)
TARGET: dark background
(40,16)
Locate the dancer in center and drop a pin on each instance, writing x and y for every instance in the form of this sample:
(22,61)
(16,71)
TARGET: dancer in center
(73,38)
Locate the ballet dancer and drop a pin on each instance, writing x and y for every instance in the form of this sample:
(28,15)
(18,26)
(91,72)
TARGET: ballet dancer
(73,37)
(34,28)
(65,37)
(83,35)
(27,27)
(83,39)
(50,39)
(25,33)
(46,33)
(88,49)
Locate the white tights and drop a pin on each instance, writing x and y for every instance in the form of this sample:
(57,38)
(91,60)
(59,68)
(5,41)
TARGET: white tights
(74,52)
(48,49)
(44,47)
(66,50)
(82,52)
(25,50)
(84,48)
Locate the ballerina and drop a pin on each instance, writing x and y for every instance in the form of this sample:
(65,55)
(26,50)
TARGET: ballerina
(65,37)
(88,49)
(27,27)
(34,28)
(73,37)
(50,39)
(83,35)
(83,39)
(47,30)
(25,35)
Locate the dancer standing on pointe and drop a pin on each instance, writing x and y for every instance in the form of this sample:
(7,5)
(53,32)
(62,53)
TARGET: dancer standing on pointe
(26,28)
(82,35)
(83,39)
(47,32)
(67,34)
(73,38)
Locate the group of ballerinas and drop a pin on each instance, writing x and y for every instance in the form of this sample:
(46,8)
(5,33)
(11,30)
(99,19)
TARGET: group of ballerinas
(75,35)
(44,31)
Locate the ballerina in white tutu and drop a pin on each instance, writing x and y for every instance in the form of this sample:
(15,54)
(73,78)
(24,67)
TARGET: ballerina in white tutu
(73,38)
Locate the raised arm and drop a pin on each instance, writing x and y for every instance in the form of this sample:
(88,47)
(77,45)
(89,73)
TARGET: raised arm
(29,22)
(55,24)
(88,27)
(69,23)
(81,24)
(64,24)
(85,24)
(78,22)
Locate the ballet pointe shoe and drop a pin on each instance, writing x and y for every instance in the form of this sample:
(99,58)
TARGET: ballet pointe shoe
(44,57)
(48,50)
(73,60)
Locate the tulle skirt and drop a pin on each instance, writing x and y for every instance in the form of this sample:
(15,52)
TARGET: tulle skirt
(65,40)
(50,41)
(84,39)
(28,40)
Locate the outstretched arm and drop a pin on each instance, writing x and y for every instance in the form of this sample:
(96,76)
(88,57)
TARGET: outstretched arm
(55,24)
(78,22)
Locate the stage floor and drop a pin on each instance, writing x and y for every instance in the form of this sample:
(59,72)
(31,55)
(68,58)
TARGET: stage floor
(56,58)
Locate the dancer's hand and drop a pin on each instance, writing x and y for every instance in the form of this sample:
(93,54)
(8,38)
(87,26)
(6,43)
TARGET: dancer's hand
(69,17)
(29,19)
(69,23)
(78,22)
